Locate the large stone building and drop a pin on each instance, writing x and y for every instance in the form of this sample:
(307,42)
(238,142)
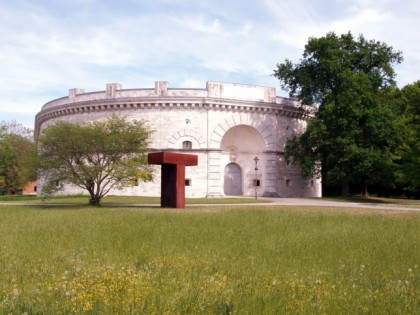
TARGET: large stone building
(227,125)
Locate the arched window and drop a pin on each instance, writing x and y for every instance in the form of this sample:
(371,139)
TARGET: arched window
(187,145)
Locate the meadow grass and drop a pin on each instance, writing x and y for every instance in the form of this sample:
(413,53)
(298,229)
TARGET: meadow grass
(208,260)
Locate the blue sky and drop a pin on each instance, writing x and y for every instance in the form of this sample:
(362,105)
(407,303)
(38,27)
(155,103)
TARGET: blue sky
(49,47)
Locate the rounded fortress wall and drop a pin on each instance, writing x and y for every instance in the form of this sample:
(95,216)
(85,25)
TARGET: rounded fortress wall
(227,125)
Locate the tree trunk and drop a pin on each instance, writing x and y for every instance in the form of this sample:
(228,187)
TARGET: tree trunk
(365,193)
(345,188)
(8,190)
(94,201)
(94,198)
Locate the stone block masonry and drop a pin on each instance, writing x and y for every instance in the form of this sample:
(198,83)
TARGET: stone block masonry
(226,125)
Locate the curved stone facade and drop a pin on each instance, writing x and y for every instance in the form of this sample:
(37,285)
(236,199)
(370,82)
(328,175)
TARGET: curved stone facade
(227,125)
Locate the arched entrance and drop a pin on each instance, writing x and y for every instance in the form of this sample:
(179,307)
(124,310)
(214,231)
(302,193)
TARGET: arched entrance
(232,180)
(240,145)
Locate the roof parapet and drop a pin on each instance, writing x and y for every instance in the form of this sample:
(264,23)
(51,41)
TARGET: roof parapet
(74,92)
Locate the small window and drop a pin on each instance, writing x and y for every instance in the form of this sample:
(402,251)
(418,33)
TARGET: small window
(312,183)
(256,182)
(287,182)
(187,145)
(35,188)
(187,182)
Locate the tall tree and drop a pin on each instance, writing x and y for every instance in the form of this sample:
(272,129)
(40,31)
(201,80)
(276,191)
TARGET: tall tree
(97,157)
(352,135)
(17,156)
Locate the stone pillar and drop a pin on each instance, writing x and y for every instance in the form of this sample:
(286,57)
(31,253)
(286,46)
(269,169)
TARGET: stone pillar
(213,174)
(161,88)
(74,92)
(111,89)
(270,175)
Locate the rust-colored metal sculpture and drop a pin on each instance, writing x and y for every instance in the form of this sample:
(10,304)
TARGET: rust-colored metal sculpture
(173,176)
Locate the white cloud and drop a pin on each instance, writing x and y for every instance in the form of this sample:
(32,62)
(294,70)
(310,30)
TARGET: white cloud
(197,24)
(48,48)
(194,83)
(246,29)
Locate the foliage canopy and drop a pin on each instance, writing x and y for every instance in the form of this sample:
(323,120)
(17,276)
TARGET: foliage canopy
(17,156)
(352,135)
(97,156)
(409,152)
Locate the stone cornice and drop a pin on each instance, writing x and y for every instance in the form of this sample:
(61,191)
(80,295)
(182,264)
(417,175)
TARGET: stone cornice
(116,99)
(113,105)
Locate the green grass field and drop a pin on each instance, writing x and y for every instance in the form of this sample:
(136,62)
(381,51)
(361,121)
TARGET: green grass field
(208,260)
(123,200)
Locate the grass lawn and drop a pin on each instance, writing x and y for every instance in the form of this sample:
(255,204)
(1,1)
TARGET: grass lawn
(211,260)
(120,200)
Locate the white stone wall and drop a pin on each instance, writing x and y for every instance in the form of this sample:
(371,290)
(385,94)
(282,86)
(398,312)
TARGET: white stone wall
(226,123)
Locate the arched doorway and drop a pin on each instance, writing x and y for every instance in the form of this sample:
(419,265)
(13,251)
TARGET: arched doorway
(232,180)
(240,145)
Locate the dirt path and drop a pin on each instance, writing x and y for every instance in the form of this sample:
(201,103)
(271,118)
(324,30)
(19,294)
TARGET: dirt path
(328,203)
(274,202)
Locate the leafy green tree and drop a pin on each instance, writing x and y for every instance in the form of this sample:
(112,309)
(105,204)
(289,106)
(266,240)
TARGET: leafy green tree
(351,136)
(97,157)
(409,152)
(17,156)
